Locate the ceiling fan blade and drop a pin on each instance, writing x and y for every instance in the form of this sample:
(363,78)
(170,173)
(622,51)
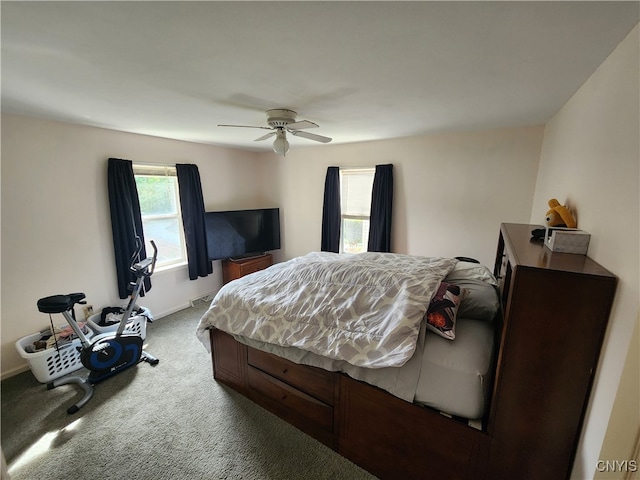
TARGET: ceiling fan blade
(244,126)
(301,125)
(264,137)
(310,136)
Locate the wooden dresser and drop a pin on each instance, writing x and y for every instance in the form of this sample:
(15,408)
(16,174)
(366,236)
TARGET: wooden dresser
(232,269)
(556,308)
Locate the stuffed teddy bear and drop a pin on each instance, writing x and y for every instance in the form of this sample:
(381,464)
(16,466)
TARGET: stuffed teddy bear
(559,215)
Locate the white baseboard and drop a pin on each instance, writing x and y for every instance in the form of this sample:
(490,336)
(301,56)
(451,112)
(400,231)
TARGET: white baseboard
(14,372)
(157,316)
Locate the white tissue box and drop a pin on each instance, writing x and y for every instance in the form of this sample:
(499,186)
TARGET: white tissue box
(567,240)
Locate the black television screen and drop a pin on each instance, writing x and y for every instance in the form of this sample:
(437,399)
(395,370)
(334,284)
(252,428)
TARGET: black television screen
(242,233)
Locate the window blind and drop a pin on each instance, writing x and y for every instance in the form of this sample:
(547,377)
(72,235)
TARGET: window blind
(355,192)
(154,170)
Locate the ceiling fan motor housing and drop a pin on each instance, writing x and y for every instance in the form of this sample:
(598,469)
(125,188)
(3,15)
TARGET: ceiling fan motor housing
(280,117)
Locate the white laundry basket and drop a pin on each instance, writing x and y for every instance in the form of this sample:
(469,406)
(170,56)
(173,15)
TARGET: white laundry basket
(136,325)
(51,363)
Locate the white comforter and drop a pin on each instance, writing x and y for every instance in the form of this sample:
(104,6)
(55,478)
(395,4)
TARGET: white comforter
(364,309)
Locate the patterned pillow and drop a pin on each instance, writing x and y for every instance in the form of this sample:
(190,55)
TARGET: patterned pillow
(441,314)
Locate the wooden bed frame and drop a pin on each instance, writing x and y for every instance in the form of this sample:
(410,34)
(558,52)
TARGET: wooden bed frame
(542,382)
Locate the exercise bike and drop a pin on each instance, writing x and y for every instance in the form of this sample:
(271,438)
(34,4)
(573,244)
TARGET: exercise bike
(109,353)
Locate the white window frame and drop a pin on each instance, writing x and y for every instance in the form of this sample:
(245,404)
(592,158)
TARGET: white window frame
(144,169)
(350,216)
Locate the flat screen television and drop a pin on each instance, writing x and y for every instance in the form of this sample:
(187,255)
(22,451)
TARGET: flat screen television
(242,233)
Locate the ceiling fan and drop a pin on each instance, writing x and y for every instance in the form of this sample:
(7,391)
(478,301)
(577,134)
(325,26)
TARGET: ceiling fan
(281,121)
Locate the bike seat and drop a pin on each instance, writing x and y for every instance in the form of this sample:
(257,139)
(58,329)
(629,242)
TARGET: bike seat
(59,303)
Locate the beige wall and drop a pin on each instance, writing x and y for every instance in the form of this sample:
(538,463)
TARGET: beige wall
(622,438)
(56,230)
(451,191)
(590,160)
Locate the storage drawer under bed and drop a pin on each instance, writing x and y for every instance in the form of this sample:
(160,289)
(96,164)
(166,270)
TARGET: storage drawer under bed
(302,395)
(313,381)
(289,402)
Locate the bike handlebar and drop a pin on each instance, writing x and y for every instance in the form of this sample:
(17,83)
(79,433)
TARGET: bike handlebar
(145,267)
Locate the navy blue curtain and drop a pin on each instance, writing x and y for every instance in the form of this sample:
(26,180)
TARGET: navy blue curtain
(126,222)
(381,209)
(331,215)
(192,206)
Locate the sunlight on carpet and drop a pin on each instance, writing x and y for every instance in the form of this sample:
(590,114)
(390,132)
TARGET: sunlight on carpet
(41,446)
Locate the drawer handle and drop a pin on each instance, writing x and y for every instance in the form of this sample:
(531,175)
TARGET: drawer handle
(285,370)
(284,397)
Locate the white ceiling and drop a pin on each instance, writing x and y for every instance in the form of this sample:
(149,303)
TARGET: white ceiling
(361,70)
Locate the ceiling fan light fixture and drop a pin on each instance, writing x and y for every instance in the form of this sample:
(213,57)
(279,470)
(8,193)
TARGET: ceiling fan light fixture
(281,121)
(280,144)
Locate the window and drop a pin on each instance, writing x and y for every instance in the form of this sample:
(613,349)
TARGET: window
(160,208)
(355,203)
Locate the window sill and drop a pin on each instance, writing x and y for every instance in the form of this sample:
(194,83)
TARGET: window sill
(169,268)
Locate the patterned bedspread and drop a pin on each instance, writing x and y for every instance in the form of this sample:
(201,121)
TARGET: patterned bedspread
(365,309)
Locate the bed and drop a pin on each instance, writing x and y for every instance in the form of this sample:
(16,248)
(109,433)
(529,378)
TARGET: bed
(449,372)
(500,393)
(445,364)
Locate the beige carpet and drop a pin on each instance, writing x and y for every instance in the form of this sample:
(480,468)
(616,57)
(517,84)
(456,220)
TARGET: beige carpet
(172,421)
